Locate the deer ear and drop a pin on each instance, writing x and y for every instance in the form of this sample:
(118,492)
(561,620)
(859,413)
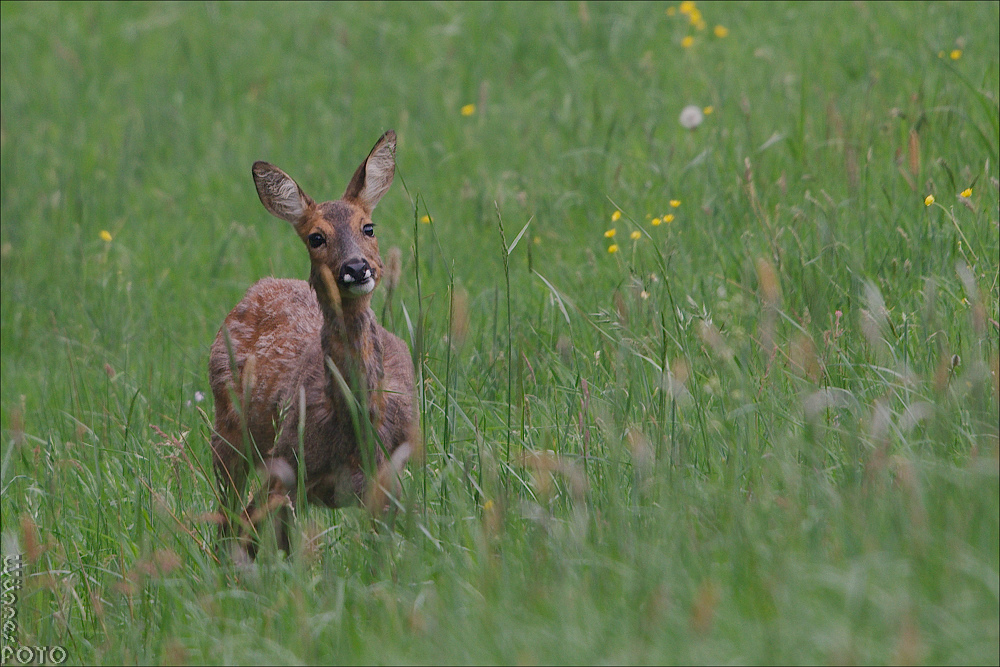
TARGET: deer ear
(279,194)
(374,176)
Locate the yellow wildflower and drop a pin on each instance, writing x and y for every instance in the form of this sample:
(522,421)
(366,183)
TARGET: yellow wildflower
(700,25)
(488,505)
(686,7)
(610,233)
(613,248)
(967,192)
(468,109)
(928,200)
(426,219)
(636,235)
(668,218)
(687,42)
(675,203)
(708,110)
(956,54)
(105,235)
(721,31)
(695,16)
(616,216)
(656,222)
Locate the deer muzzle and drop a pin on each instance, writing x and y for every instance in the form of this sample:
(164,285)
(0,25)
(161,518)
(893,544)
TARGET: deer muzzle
(356,277)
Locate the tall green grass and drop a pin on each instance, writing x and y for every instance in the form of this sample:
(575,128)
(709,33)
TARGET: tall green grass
(765,431)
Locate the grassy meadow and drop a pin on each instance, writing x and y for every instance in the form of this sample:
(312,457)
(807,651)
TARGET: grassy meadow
(715,394)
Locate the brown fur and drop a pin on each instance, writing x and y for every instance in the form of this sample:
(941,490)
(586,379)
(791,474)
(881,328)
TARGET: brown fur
(284,334)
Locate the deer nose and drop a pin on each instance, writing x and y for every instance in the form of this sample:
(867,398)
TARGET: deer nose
(354,271)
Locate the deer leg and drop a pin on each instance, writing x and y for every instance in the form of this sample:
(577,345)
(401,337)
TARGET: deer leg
(282,522)
(281,492)
(231,470)
(273,502)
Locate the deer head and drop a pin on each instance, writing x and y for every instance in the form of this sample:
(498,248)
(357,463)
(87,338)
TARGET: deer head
(339,235)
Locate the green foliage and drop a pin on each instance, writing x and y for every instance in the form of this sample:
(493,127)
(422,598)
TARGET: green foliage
(765,431)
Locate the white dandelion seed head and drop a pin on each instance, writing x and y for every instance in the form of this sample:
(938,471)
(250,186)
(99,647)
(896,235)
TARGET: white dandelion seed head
(691,117)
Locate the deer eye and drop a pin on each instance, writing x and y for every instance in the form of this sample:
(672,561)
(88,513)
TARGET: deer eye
(316,240)
(369,229)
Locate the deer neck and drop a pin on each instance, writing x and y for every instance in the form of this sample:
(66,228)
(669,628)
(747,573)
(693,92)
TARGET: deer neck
(351,340)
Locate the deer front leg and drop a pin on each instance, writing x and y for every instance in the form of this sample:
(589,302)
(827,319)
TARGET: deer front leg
(231,470)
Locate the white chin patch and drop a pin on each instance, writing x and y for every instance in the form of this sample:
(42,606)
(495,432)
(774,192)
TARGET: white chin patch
(359,289)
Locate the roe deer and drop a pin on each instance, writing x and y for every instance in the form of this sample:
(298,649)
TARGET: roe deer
(291,345)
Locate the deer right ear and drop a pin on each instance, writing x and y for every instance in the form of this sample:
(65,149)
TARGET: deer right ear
(374,176)
(280,195)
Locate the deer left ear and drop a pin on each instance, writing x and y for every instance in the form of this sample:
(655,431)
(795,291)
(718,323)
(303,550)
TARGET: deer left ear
(374,176)
(280,195)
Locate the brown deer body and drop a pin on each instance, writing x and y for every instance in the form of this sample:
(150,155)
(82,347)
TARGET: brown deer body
(289,346)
